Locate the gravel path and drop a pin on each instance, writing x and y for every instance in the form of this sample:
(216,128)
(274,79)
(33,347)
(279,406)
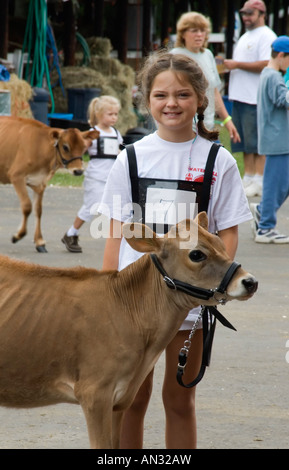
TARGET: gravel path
(242,402)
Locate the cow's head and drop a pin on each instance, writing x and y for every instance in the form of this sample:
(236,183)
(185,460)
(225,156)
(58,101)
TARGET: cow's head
(70,145)
(193,256)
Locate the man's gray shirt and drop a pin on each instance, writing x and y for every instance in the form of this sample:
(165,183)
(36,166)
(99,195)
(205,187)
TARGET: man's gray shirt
(272,114)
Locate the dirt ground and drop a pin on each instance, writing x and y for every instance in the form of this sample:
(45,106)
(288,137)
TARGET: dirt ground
(242,402)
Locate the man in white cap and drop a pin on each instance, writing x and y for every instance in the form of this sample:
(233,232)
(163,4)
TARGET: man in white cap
(251,54)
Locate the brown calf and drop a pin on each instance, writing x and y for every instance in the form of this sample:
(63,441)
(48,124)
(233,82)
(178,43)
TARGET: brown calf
(30,154)
(91,337)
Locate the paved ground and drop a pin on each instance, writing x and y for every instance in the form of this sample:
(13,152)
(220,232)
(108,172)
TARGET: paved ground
(242,402)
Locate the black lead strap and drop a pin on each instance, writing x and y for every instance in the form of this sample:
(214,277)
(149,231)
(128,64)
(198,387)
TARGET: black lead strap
(209,315)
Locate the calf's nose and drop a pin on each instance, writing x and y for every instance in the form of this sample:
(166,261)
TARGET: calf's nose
(77,172)
(251,284)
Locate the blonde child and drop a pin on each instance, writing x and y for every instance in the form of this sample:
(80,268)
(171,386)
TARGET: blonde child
(174,88)
(103,115)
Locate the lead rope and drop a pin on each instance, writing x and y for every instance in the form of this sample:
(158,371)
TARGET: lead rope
(209,325)
(187,344)
(183,354)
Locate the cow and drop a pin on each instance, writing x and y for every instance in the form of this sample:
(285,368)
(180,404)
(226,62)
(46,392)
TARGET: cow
(89,337)
(30,154)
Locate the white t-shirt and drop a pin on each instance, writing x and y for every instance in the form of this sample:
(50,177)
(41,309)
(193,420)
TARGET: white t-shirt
(157,158)
(102,165)
(96,174)
(207,63)
(253,46)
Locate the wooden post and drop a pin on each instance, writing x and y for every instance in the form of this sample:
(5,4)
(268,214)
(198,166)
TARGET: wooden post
(122,15)
(231,6)
(146,39)
(4,29)
(98,17)
(165,21)
(69,38)
(284,29)
(276,23)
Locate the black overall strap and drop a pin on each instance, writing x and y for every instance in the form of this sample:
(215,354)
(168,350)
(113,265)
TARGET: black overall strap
(208,177)
(133,172)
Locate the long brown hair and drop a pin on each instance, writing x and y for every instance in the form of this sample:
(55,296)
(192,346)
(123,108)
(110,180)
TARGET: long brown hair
(188,69)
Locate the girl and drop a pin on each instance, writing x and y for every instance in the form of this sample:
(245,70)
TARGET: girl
(103,115)
(174,89)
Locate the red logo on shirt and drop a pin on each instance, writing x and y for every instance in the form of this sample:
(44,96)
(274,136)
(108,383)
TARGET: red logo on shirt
(199,178)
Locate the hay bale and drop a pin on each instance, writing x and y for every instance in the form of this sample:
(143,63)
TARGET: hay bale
(107,73)
(107,66)
(21,92)
(99,46)
(73,77)
(79,77)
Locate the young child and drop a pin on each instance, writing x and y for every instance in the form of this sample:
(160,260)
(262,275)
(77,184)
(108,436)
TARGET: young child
(273,127)
(103,115)
(174,89)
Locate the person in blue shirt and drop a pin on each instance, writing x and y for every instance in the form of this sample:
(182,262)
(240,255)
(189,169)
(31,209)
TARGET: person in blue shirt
(273,127)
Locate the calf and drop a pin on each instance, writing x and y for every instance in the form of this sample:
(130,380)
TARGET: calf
(30,154)
(91,337)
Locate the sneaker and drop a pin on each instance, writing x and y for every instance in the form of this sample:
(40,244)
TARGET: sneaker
(270,236)
(247,181)
(256,218)
(253,189)
(71,243)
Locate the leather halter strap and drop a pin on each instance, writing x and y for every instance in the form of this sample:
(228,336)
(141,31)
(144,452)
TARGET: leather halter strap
(209,315)
(194,291)
(63,160)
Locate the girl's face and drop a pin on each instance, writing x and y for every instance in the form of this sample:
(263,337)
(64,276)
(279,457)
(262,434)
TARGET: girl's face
(108,117)
(173,104)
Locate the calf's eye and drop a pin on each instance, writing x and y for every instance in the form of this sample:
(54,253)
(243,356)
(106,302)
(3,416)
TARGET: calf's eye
(197,256)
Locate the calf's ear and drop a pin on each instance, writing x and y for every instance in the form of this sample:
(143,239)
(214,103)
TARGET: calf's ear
(92,135)
(141,238)
(202,220)
(54,135)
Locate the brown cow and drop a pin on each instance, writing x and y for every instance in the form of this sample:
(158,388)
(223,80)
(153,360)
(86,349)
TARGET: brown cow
(78,335)
(30,153)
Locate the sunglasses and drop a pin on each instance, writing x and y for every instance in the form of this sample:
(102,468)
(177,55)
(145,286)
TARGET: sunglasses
(247,13)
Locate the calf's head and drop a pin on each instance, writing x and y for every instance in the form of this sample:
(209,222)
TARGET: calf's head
(190,254)
(71,144)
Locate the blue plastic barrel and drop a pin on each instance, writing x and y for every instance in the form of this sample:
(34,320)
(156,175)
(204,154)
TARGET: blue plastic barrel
(79,99)
(39,104)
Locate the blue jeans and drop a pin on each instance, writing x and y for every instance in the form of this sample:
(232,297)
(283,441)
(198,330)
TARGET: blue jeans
(275,189)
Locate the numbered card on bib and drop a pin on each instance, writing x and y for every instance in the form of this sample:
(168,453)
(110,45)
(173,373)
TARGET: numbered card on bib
(169,206)
(110,146)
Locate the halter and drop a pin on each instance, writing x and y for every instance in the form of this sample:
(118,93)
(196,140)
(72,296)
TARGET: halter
(206,314)
(199,292)
(63,160)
